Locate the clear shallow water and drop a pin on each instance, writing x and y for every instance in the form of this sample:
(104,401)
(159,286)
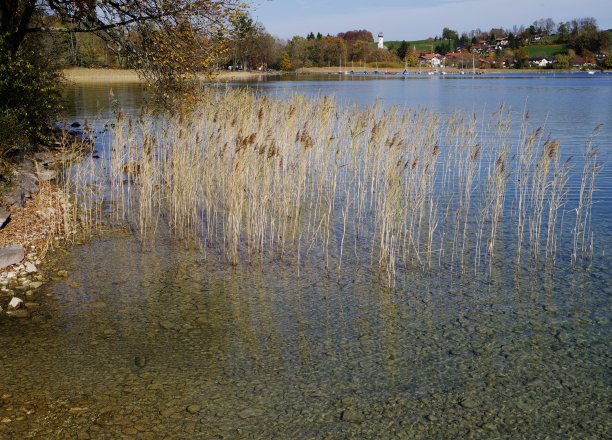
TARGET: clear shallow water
(156,341)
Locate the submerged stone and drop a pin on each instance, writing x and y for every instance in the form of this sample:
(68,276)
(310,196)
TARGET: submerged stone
(250,412)
(194,409)
(352,416)
(19,313)
(470,403)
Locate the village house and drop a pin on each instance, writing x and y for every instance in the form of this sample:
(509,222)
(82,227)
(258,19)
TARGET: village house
(454,58)
(541,62)
(584,62)
(501,43)
(431,59)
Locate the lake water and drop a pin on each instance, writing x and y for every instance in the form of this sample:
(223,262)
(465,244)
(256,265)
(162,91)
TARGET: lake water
(158,341)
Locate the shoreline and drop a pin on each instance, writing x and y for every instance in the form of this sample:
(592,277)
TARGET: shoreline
(82,75)
(37,216)
(335,70)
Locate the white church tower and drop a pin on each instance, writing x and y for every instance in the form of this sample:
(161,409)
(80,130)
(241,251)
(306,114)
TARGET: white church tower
(380,41)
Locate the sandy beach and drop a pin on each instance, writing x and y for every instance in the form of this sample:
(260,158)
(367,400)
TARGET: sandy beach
(84,75)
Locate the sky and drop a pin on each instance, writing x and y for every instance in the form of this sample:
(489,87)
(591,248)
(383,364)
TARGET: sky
(417,19)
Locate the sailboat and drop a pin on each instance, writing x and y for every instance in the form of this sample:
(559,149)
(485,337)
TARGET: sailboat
(405,72)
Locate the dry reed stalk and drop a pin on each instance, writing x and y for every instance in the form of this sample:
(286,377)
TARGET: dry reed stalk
(260,178)
(582,235)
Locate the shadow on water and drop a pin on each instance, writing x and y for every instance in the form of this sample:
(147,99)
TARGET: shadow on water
(157,342)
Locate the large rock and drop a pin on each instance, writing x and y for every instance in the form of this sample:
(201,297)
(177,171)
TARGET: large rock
(4,217)
(44,158)
(28,182)
(14,196)
(10,255)
(45,175)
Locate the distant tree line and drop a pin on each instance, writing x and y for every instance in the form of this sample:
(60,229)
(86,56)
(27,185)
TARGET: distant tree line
(249,46)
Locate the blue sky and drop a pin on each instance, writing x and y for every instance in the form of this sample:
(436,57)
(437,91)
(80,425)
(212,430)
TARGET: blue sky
(416,19)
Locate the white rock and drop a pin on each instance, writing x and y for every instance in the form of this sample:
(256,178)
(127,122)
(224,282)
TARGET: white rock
(15,303)
(30,267)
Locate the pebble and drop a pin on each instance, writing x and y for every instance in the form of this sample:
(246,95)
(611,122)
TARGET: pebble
(352,416)
(62,273)
(140,361)
(194,409)
(98,304)
(167,412)
(550,308)
(469,403)
(249,413)
(30,268)
(167,325)
(19,313)
(82,435)
(15,303)
(535,383)
(35,285)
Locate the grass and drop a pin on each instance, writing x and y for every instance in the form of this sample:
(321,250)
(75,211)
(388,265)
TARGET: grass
(421,45)
(542,50)
(257,179)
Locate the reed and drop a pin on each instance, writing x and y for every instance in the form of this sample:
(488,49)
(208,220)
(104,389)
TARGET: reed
(257,179)
(582,235)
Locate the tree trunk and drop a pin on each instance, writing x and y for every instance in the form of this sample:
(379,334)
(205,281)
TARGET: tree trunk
(15,17)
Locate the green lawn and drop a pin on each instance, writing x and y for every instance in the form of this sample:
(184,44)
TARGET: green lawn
(421,45)
(549,50)
(548,40)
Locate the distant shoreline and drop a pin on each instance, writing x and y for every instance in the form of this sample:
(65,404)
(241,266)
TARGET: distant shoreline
(424,70)
(92,75)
